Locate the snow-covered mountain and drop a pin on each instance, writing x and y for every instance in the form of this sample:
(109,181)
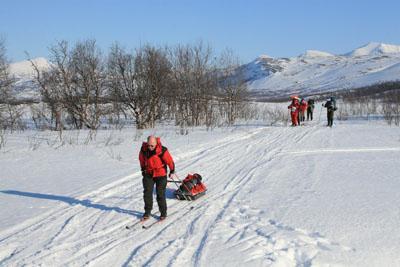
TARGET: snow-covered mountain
(316,72)
(23,73)
(24,69)
(312,72)
(375,49)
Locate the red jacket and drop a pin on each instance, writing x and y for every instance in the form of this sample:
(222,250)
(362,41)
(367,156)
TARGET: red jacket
(155,162)
(303,106)
(294,106)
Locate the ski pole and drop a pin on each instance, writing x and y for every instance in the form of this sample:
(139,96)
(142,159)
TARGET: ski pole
(320,111)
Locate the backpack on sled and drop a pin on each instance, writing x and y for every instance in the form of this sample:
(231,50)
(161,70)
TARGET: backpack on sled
(191,188)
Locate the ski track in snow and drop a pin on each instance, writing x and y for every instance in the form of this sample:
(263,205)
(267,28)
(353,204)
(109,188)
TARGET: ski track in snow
(349,150)
(91,230)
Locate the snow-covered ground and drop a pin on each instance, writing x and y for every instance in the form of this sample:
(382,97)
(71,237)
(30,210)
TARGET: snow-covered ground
(277,196)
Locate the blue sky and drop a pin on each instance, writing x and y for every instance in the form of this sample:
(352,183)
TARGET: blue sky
(248,27)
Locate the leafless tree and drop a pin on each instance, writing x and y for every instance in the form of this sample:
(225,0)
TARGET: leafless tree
(153,81)
(232,86)
(75,83)
(186,83)
(391,107)
(194,84)
(10,114)
(49,84)
(139,81)
(88,83)
(181,93)
(121,81)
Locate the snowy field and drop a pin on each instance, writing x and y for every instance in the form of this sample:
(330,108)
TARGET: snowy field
(277,196)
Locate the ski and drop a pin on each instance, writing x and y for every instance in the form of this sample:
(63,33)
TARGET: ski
(131,226)
(153,223)
(158,220)
(140,221)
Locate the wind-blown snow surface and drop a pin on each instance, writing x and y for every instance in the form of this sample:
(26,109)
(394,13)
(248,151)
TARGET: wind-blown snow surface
(278,196)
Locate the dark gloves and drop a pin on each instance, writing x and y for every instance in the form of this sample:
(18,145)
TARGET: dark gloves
(143,173)
(171,172)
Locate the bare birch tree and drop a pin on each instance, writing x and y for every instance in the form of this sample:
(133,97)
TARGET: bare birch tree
(232,86)
(10,114)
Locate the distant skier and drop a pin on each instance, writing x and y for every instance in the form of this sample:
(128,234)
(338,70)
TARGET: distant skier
(294,110)
(330,106)
(154,159)
(310,109)
(302,112)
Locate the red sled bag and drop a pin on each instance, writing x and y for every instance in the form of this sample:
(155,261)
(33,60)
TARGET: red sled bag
(191,188)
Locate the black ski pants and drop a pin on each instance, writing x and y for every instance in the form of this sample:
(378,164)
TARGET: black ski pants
(330,117)
(148,186)
(309,114)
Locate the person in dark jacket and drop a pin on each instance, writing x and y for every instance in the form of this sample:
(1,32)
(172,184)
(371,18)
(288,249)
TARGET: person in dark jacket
(330,106)
(154,159)
(310,109)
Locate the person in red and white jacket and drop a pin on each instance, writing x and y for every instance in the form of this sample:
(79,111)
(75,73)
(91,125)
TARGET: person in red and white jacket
(154,159)
(294,110)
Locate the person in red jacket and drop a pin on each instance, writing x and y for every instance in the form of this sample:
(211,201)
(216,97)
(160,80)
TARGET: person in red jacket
(154,159)
(302,112)
(294,110)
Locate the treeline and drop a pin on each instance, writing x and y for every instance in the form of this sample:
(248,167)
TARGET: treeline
(189,85)
(377,99)
(385,103)
(86,88)
(10,116)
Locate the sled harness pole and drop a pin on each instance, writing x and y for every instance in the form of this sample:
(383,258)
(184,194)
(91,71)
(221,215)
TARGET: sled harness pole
(173,181)
(179,181)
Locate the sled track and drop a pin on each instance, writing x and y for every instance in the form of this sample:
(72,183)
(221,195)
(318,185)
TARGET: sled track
(212,156)
(87,234)
(240,181)
(214,194)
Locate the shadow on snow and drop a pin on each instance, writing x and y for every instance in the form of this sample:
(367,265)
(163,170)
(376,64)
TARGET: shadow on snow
(71,201)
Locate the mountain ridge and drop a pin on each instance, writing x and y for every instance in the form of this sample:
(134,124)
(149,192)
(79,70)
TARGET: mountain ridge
(312,72)
(316,71)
